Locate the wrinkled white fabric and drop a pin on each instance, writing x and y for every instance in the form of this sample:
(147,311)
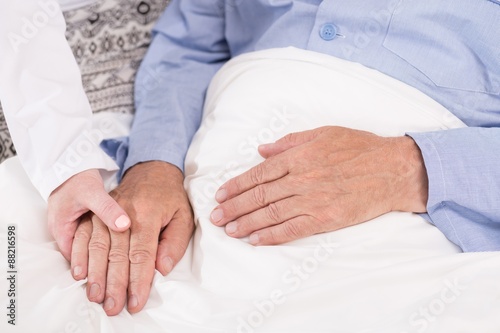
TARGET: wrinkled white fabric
(43,100)
(394,274)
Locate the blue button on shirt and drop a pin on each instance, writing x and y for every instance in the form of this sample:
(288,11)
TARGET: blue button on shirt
(328,31)
(448,49)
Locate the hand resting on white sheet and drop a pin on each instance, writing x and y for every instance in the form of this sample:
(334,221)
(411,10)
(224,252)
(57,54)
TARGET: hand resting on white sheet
(120,265)
(322,180)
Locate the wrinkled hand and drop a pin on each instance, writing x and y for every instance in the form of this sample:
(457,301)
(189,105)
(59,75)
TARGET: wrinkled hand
(121,266)
(322,180)
(69,202)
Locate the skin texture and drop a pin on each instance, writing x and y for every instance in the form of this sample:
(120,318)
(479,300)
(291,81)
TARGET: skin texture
(322,180)
(311,182)
(120,266)
(80,194)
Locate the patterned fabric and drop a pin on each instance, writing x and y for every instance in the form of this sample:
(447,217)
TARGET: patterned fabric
(108,39)
(6,146)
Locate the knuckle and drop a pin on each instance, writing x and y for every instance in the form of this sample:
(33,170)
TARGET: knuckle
(140,256)
(230,208)
(273,212)
(257,174)
(274,235)
(235,185)
(118,256)
(246,224)
(137,281)
(259,196)
(117,283)
(99,244)
(83,233)
(289,138)
(292,230)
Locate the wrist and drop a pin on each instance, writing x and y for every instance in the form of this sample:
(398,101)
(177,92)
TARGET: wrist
(412,195)
(151,169)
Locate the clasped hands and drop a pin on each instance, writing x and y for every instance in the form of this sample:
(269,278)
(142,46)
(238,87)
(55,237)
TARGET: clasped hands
(310,182)
(119,263)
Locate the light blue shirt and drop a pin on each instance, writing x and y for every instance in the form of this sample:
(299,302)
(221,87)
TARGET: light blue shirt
(448,49)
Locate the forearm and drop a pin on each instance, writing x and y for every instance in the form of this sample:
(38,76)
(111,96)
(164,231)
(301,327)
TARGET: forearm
(463,168)
(187,50)
(47,112)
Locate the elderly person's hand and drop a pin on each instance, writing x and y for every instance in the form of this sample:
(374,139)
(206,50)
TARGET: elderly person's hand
(120,266)
(322,180)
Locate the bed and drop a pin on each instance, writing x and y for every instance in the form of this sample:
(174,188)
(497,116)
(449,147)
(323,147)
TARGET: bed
(394,274)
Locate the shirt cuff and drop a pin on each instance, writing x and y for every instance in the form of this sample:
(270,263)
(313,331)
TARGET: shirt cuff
(437,188)
(81,155)
(119,150)
(462,167)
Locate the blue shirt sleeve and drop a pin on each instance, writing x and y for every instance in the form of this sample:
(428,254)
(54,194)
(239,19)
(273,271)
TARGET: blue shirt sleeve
(194,38)
(171,84)
(463,167)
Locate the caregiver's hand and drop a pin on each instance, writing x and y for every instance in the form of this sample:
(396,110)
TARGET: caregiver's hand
(322,180)
(69,202)
(121,266)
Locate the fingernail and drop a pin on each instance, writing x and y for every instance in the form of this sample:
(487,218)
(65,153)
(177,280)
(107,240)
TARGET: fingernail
(221,195)
(217,215)
(231,227)
(254,239)
(122,222)
(77,270)
(265,146)
(109,303)
(94,290)
(133,302)
(168,264)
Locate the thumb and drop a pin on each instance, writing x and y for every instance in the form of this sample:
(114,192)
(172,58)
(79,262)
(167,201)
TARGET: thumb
(109,211)
(287,142)
(174,241)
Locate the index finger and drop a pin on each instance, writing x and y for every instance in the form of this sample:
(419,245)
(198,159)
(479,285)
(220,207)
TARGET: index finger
(64,234)
(271,169)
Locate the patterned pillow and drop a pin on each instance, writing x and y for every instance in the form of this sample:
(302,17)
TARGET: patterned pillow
(109,40)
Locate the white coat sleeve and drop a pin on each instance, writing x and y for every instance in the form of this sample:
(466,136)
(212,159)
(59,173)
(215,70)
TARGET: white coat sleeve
(47,111)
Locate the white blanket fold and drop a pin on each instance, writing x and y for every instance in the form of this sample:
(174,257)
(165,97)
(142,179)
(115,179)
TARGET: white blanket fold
(394,274)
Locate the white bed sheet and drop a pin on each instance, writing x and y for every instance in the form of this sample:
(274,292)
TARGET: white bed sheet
(394,274)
